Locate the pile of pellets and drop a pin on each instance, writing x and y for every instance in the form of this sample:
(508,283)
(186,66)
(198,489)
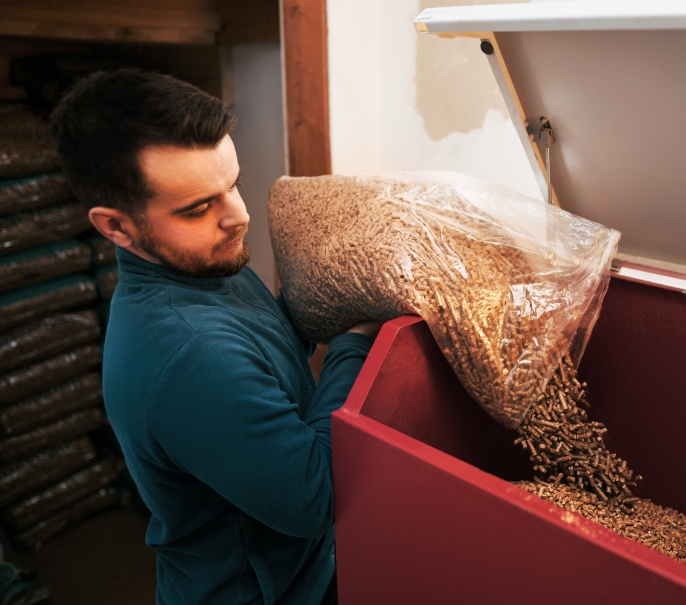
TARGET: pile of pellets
(351,249)
(662,529)
(576,471)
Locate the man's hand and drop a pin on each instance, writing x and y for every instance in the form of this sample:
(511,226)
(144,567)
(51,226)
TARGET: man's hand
(368,328)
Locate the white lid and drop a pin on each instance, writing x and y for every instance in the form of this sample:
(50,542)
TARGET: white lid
(611,78)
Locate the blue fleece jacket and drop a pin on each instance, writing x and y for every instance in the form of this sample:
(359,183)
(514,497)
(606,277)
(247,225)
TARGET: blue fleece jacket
(209,391)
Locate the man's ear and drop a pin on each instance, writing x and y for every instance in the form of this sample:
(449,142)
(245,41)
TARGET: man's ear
(114,225)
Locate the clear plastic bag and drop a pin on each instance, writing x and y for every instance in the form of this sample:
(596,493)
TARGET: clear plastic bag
(504,282)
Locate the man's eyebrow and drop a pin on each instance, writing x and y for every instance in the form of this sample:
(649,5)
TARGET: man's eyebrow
(205,200)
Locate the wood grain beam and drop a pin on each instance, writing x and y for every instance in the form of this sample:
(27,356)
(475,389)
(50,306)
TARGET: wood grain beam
(303,24)
(182,21)
(247,22)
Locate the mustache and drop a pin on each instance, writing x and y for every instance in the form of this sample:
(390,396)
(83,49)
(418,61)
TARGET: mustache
(237,234)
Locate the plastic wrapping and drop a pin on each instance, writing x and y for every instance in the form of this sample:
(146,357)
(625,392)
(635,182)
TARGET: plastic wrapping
(104,250)
(33,539)
(26,146)
(66,397)
(55,497)
(29,303)
(42,264)
(46,225)
(31,379)
(47,336)
(107,278)
(72,425)
(34,191)
(503,281)
(22,478)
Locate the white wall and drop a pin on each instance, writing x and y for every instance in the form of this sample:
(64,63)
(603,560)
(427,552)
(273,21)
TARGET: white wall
(259,140)
(400,100)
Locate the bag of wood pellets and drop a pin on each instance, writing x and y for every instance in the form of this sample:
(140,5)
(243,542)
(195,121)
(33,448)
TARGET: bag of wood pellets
(35,440)
(506,284)
(69,396)
(41,264)
(104,250)
(33,191)
(45,225)
(26,146)
(50,499)
(34,538)
(107,278)
(47,336)
(35,301)
(30,474)
(31,379)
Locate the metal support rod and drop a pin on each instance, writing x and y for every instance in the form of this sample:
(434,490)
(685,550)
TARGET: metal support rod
(547,137)
(547,169)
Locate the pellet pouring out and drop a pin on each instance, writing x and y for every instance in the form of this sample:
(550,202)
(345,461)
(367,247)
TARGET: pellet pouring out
(510,307)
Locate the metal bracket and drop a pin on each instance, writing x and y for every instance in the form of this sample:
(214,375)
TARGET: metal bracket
(546,136)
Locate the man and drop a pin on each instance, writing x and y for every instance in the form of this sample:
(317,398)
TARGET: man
(206,382)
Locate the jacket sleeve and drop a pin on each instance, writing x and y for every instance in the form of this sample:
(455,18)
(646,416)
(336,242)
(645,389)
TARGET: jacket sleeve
(220,414)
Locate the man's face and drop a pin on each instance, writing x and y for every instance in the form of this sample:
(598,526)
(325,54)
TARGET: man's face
(196,221)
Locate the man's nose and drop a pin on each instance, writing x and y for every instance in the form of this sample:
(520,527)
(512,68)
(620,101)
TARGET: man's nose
(234,213)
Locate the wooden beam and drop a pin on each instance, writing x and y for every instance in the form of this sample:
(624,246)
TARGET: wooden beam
(112,15)
(247,22)
(181,22)
(102,33)
(303,24)
(306,75)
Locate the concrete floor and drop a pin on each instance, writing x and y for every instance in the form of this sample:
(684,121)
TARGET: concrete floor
(104,561)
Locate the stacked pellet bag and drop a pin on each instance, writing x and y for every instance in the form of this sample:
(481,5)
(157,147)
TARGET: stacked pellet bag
(510,288)
(50,356)
(106,273)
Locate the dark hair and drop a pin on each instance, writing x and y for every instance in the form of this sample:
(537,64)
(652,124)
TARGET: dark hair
(102,124)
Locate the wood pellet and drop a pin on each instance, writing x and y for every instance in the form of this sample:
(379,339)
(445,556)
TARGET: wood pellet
(567,448)
(575,470)
(660,528)
(350,249)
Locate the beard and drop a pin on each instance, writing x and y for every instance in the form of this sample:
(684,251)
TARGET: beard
(192,264)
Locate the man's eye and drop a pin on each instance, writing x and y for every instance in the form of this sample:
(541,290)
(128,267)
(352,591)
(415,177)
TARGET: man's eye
(199,213)
(236,184)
